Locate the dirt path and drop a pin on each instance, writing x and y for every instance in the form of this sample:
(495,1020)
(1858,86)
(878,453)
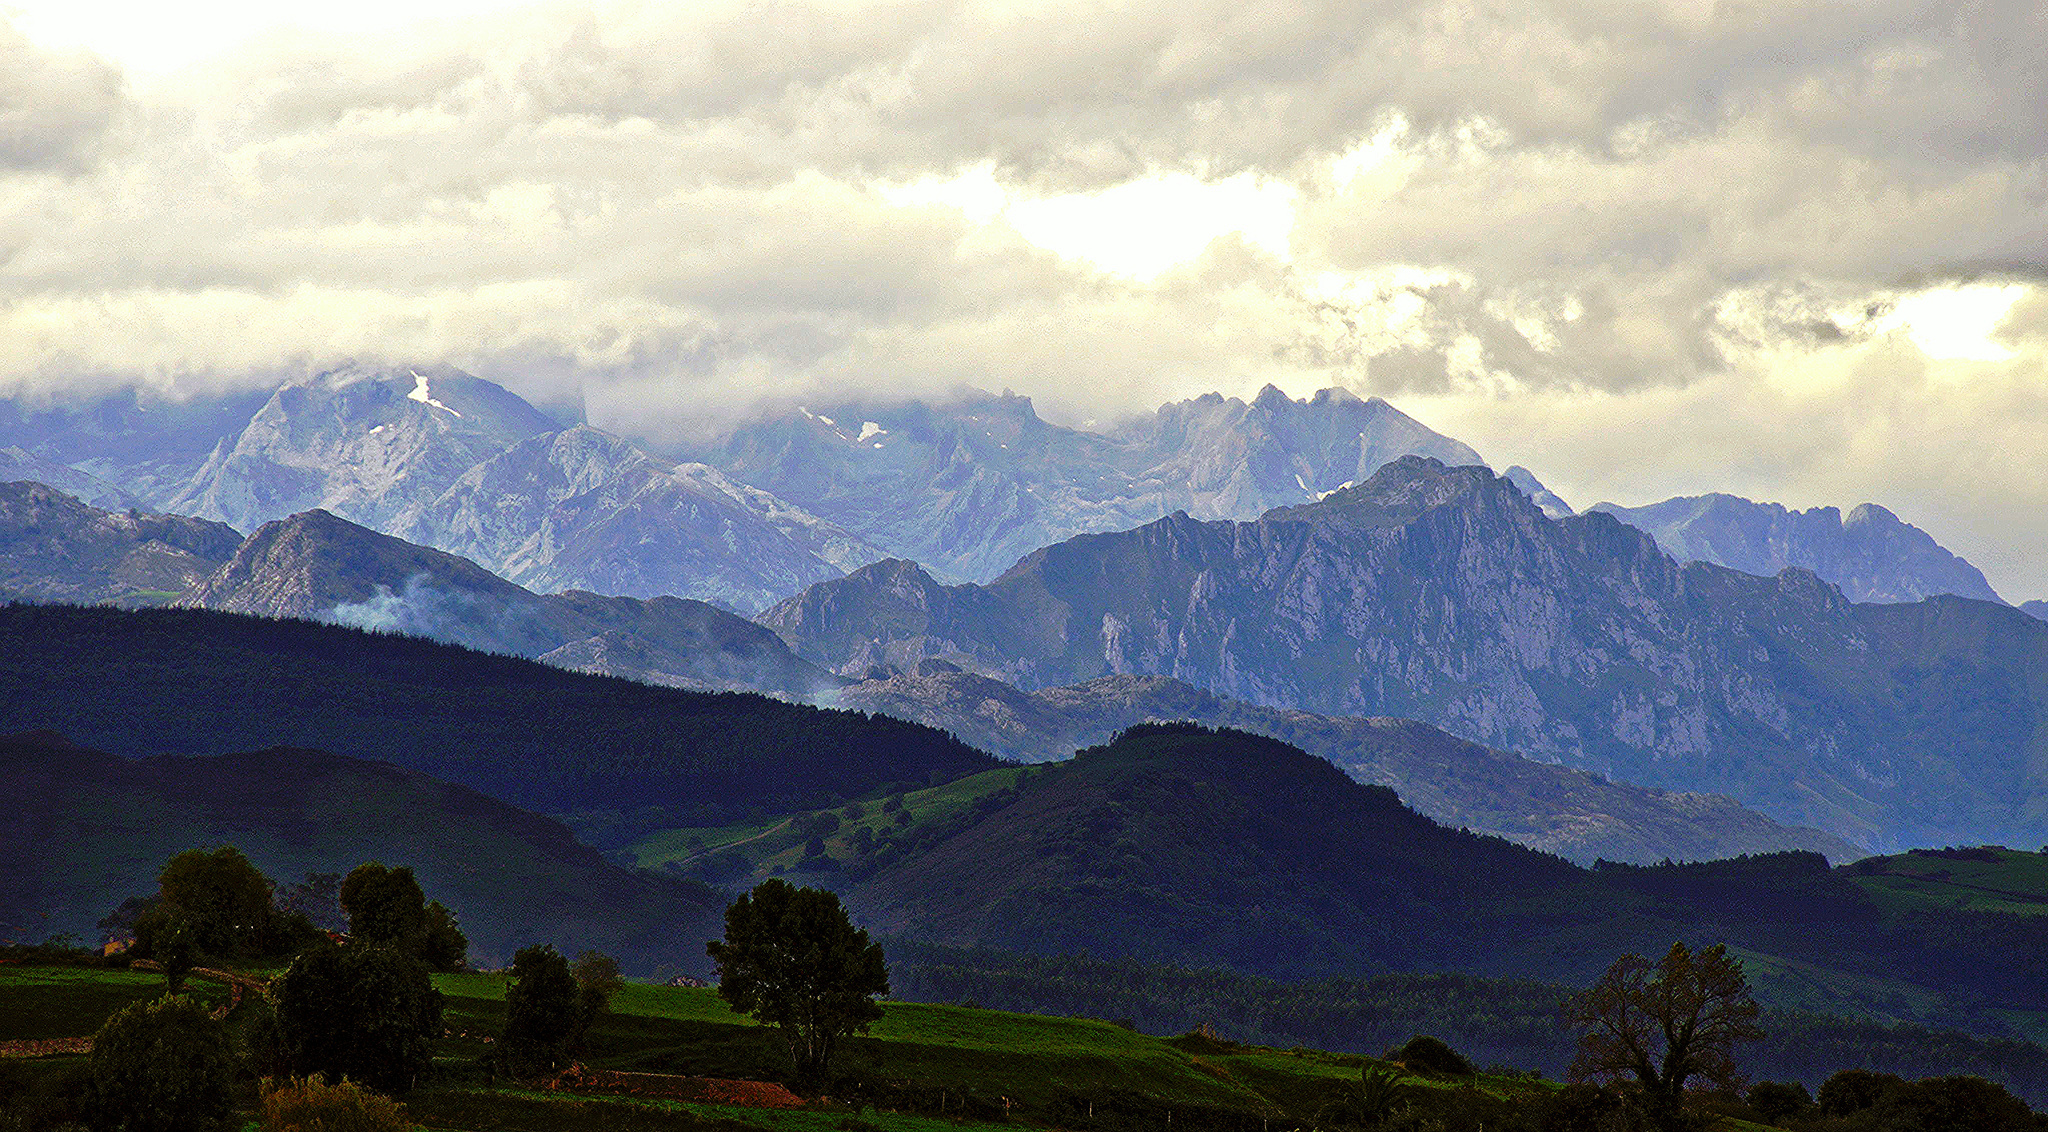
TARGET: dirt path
(776,828)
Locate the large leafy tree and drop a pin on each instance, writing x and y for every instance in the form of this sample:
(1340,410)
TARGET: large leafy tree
(544,1013)
(364,1012)
(792,959)
(1661,1024)
(386,906)
(218,900)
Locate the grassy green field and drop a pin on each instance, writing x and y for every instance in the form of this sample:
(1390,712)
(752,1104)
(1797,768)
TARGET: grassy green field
(923,1068)
(68,1002)
(775,844)
(1993,879)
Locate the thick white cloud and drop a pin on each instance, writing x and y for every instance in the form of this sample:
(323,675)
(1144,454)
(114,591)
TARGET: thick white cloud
(1642,247)
(56,107)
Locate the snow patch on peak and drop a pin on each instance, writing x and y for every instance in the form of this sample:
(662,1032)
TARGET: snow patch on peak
(869,429)
(424,395)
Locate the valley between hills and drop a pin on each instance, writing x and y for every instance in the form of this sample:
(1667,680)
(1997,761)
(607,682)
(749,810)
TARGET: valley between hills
(1272,725)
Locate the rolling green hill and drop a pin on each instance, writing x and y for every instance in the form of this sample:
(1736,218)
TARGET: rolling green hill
(1175,844)
(101,827)
(1988,878)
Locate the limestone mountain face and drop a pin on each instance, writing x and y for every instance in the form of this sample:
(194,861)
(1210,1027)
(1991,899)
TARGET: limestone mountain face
(1571,813)
(1444,595)
(583,509)
(969,487)
(18,465)
(55,547)
(134,448)
(373,446)
(1870,554)
(323,568)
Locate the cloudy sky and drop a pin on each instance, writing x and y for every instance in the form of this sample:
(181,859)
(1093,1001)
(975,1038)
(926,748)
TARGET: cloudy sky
(1645,247)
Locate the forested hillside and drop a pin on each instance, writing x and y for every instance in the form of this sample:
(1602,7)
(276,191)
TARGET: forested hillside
(192,682)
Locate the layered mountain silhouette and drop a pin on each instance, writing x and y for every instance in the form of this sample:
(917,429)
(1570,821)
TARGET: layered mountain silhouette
(1869,554)
(103,826)
(1444,595)
(1571,813)
(971,485)
(319,567)
(323,568)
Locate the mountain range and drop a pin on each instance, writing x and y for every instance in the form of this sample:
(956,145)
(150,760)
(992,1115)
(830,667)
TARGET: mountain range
(54,547)
(969,486)
(322,568)
(1194,847)
(615,754)
(1444,595)
(965,485)
(1869,554)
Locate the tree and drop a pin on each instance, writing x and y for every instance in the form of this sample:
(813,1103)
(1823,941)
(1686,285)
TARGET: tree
(543,1011)
(224,900)
(364,1012)
(444,948)
(386,906)
(597,980)
(161,1066)
(1662,1024)
(166,935)
(791,958)
(1779,1101)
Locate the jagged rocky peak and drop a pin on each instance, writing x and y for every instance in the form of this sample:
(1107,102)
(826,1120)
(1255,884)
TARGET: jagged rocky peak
(1538,494)
(371,444)
(1402,491)
(1870,553)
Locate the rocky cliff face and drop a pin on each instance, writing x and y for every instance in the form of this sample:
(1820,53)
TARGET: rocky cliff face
(971,486)
(2036,609)
(1444,595)
(1869,554)
(583,509)
(1576,815)
(320,567)
(54,547)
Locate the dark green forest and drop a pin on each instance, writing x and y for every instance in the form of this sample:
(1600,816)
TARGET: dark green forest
(196,682)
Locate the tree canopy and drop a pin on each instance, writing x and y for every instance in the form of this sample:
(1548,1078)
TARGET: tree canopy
(792,959)
(385,906)
(544,1011)
(364,1012)
(1661,1024)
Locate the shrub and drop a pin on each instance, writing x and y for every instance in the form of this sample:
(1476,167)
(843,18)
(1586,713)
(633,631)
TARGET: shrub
(313,1105)
(1778,1101)
(161,1066)
(1426,1054)
(1853,1090)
